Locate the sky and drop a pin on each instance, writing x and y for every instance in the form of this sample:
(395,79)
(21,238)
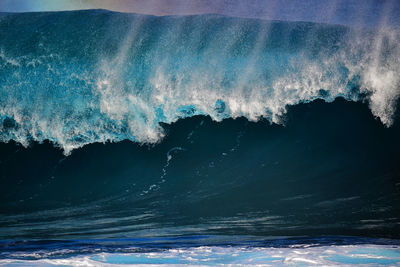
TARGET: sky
(330,11)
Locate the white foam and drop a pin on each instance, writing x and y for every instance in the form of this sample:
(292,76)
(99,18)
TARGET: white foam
(371,255)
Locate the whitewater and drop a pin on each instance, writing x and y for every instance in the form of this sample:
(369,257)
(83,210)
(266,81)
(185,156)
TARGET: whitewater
(76,78)
(294,255)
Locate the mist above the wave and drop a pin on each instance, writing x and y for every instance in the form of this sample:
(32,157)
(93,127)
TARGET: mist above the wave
(353,12)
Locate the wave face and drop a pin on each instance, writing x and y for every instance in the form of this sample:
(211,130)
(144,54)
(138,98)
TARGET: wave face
(332,170)
(75,78)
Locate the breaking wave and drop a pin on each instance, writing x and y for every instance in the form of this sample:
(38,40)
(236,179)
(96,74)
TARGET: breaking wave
(81,77)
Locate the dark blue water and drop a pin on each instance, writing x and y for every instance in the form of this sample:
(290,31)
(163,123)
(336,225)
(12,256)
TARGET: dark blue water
(333,169)
(161,133)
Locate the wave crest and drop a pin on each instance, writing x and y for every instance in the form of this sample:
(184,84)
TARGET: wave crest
(97,77)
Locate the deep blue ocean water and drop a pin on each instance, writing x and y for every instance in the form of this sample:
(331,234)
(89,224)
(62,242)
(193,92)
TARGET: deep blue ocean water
(206,140)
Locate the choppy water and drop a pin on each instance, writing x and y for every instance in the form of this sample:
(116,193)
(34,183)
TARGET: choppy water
(196,250)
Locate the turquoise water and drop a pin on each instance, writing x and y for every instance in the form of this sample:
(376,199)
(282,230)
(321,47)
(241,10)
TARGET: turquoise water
(234,255)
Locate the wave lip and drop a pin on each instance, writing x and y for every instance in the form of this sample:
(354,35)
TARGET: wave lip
(110,76)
